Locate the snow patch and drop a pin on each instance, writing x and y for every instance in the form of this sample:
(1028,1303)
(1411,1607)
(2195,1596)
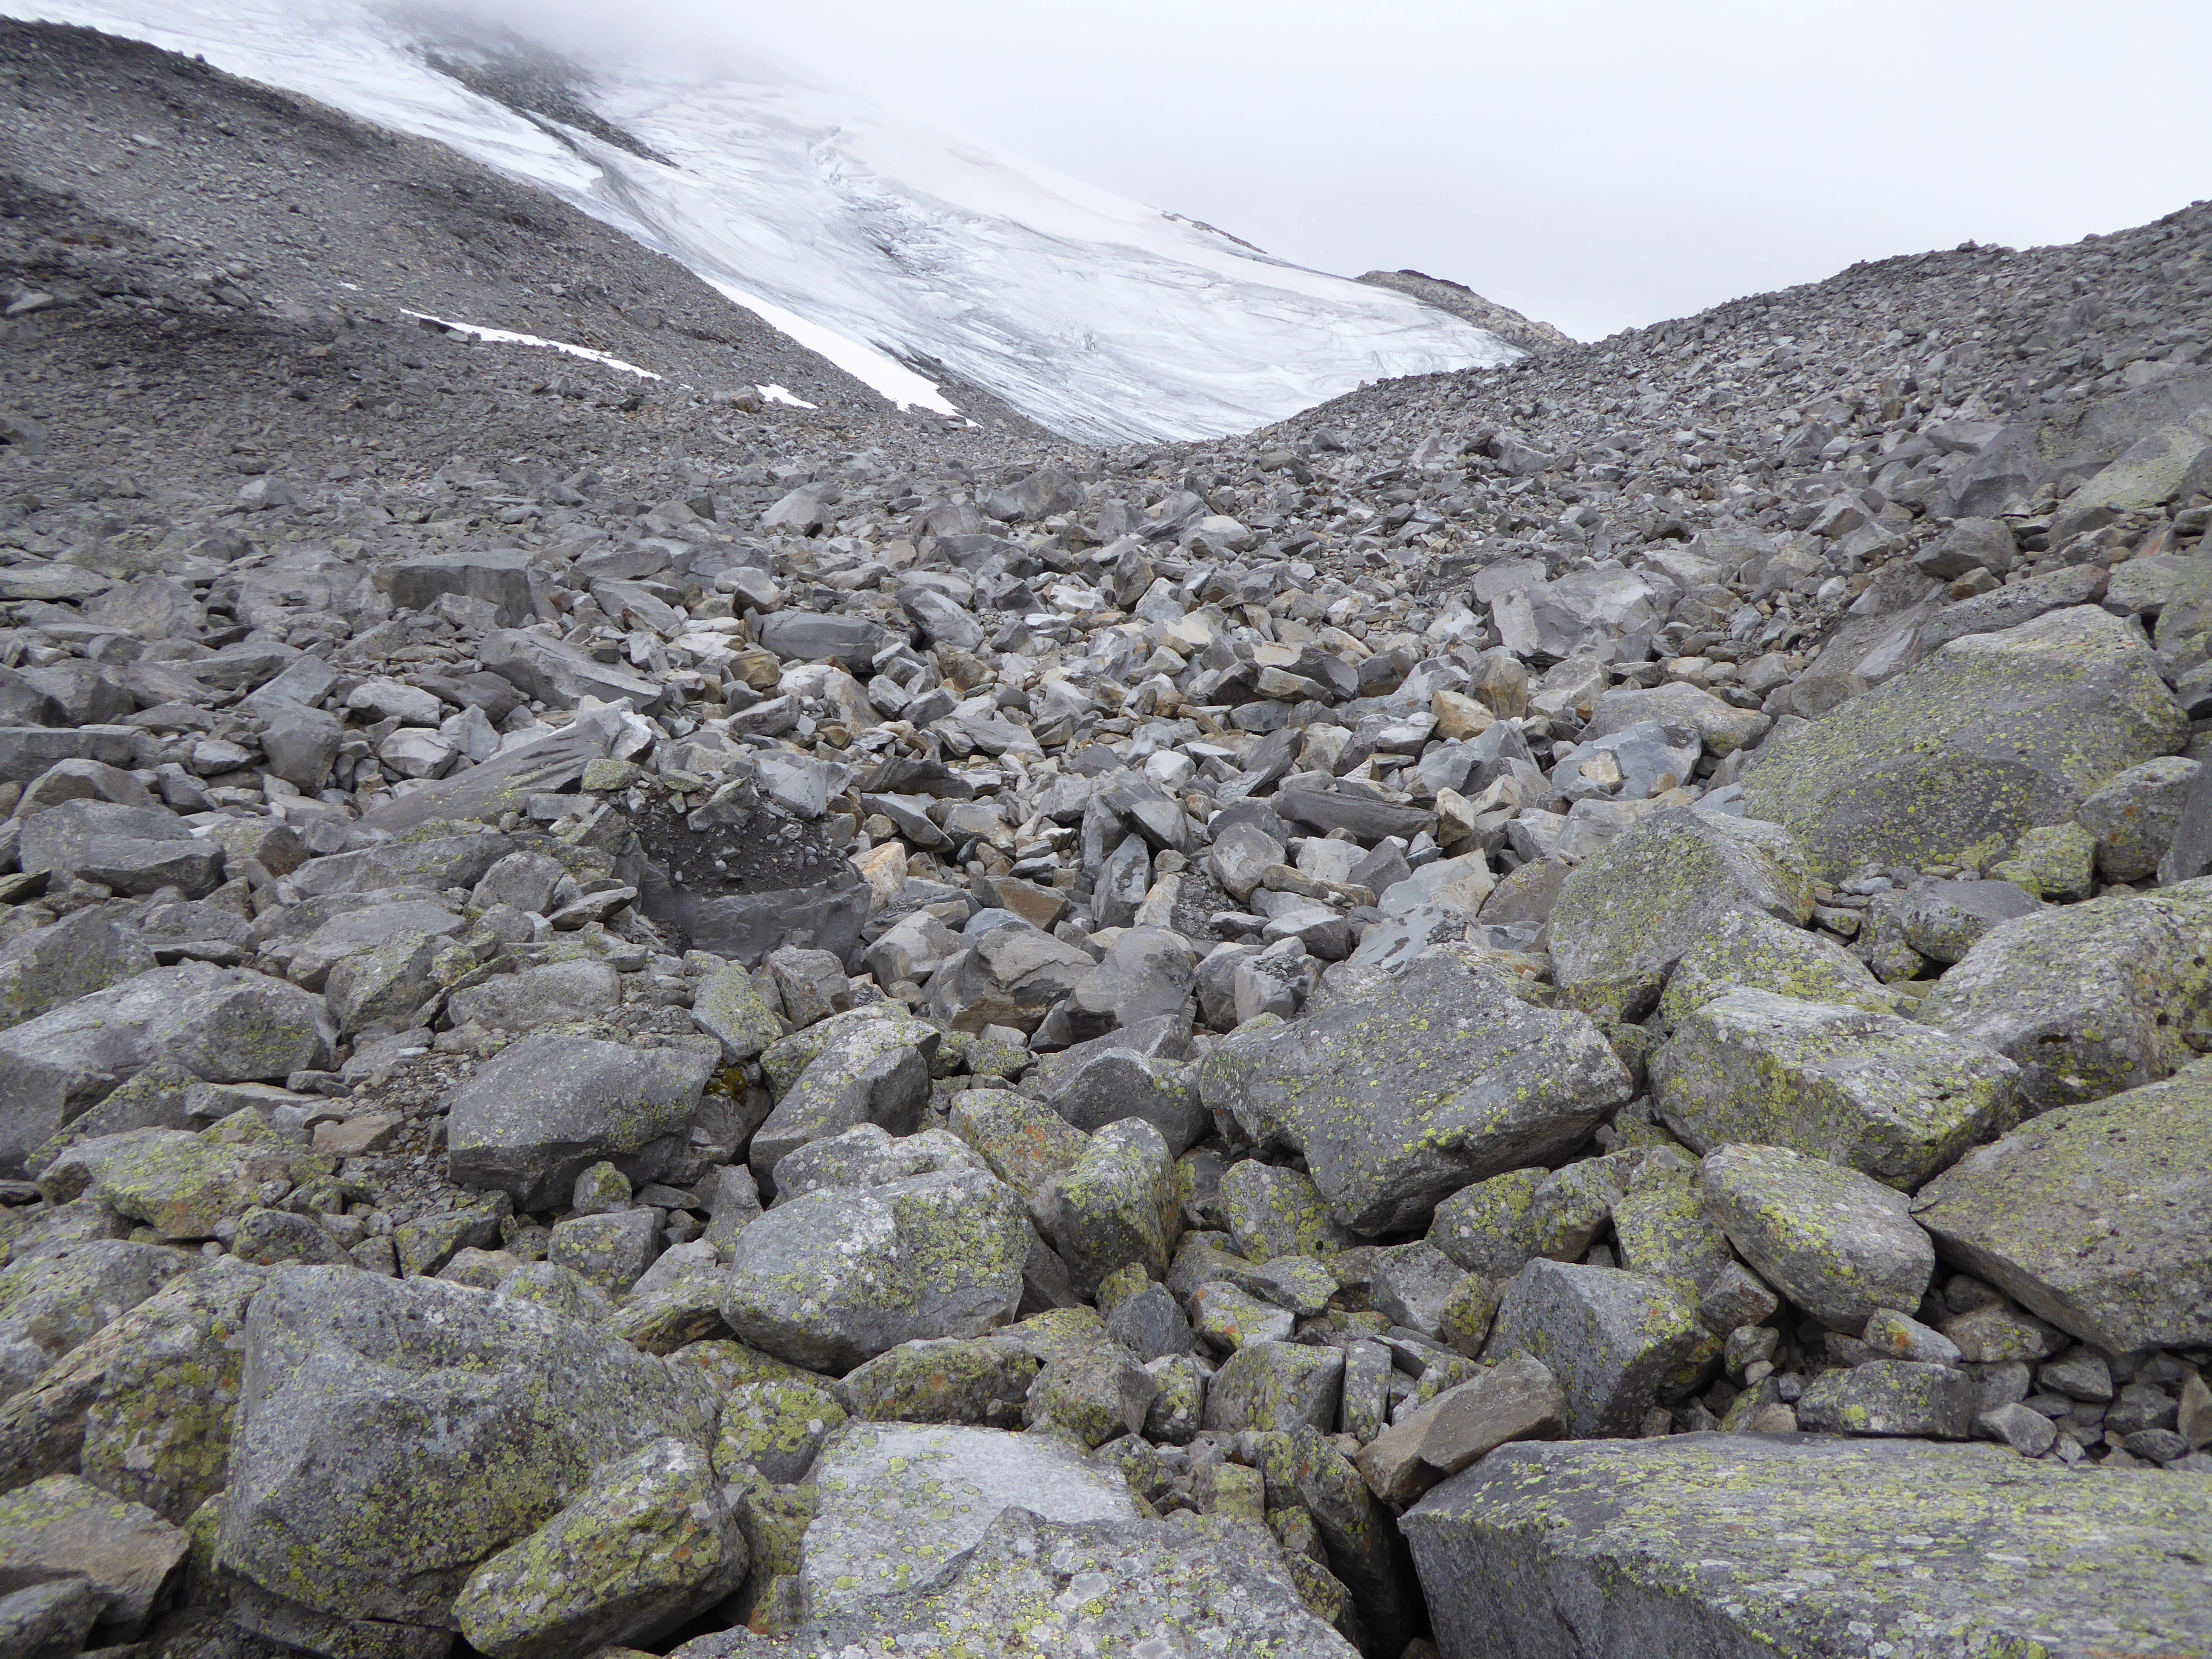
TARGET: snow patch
(876,370)
(777,394)
(509,336)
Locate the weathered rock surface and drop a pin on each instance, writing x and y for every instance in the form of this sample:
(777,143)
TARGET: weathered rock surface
(1650,1546)
(2087,1215)
(1400,1097)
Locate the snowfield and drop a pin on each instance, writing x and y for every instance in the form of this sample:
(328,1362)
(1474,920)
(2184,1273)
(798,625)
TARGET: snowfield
(883,245)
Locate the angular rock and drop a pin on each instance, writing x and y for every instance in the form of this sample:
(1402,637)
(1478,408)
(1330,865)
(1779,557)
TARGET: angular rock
(1871,1091)
(1891,1397)
(1401,1095)
(1626,914)
(2087,999)
(842,1275)
(1624,1535)
(1613,1340)
(866,1068)
(1952,760)
(1117,1206)
(1840,1245)
(1114,1084)
(652,1541)
(62,1525)
(545,1108)
(416,1396)
(1221,1584)
(225,1025)
(1516,1399)
(902,1505)
(2136,814)
(1276,1386)
(2094,1215)
(54,1299)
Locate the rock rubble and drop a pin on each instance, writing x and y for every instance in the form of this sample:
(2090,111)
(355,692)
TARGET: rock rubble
(637,1021)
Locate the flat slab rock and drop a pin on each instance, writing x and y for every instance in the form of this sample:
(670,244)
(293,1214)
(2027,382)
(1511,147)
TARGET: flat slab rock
(1744,1547)
(1190,1585)
(2094,1216)
(902,1503)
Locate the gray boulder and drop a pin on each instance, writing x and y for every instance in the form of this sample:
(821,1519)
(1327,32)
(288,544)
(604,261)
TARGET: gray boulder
(1642,1548)
(559,675)
(1108,1084)
(63,1526)
(1118,1206)
(1943,919)
(843,1274)
(903,1504)
(1749,950)
(502,577)
(868,1066)
(221,1025)
(2087,999)
(542,1110)
(1221,1585)
(1401,1095)
(2136,814)
(1836,1243)
(52,1299)
(653,1540)
(1891,1397)
(1516,1400)
(1624,915)
(369,1402)
(553,994)
(1614,1340)
(2094,1215)
(1873,1092)
(79,955)
(1952,760)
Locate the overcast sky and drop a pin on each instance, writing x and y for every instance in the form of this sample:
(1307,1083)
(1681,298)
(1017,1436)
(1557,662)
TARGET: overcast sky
(1599,165)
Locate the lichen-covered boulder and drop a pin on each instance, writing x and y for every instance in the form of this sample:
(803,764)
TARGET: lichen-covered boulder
(545,1109)
(1114,1083)
(1488,1227)
(1276,1386)
(776,1426)
(2094,1216)
(1749,950)
(845,1273)
(900,1503)
(1025,1141)
(1625,913)
(1274,1210)
(55,1297)
(1837,1243)
(1873,1091)
(650,1543)
(220,1024)
(2135,814)
(982,1381)
(730,1007)
(1212,1584)
(1741,1544)
(1118,1207)
(2089,998)
(1402,1094)
(1948,762)
(1614,1340)
(868,1156)
(866,1067)
(370,1403)
(62,1525)
(163,1383)
(181,1185)
(1661,1227)
(1892,1397)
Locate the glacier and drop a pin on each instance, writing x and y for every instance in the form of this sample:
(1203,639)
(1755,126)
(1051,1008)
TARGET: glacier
(885,245)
